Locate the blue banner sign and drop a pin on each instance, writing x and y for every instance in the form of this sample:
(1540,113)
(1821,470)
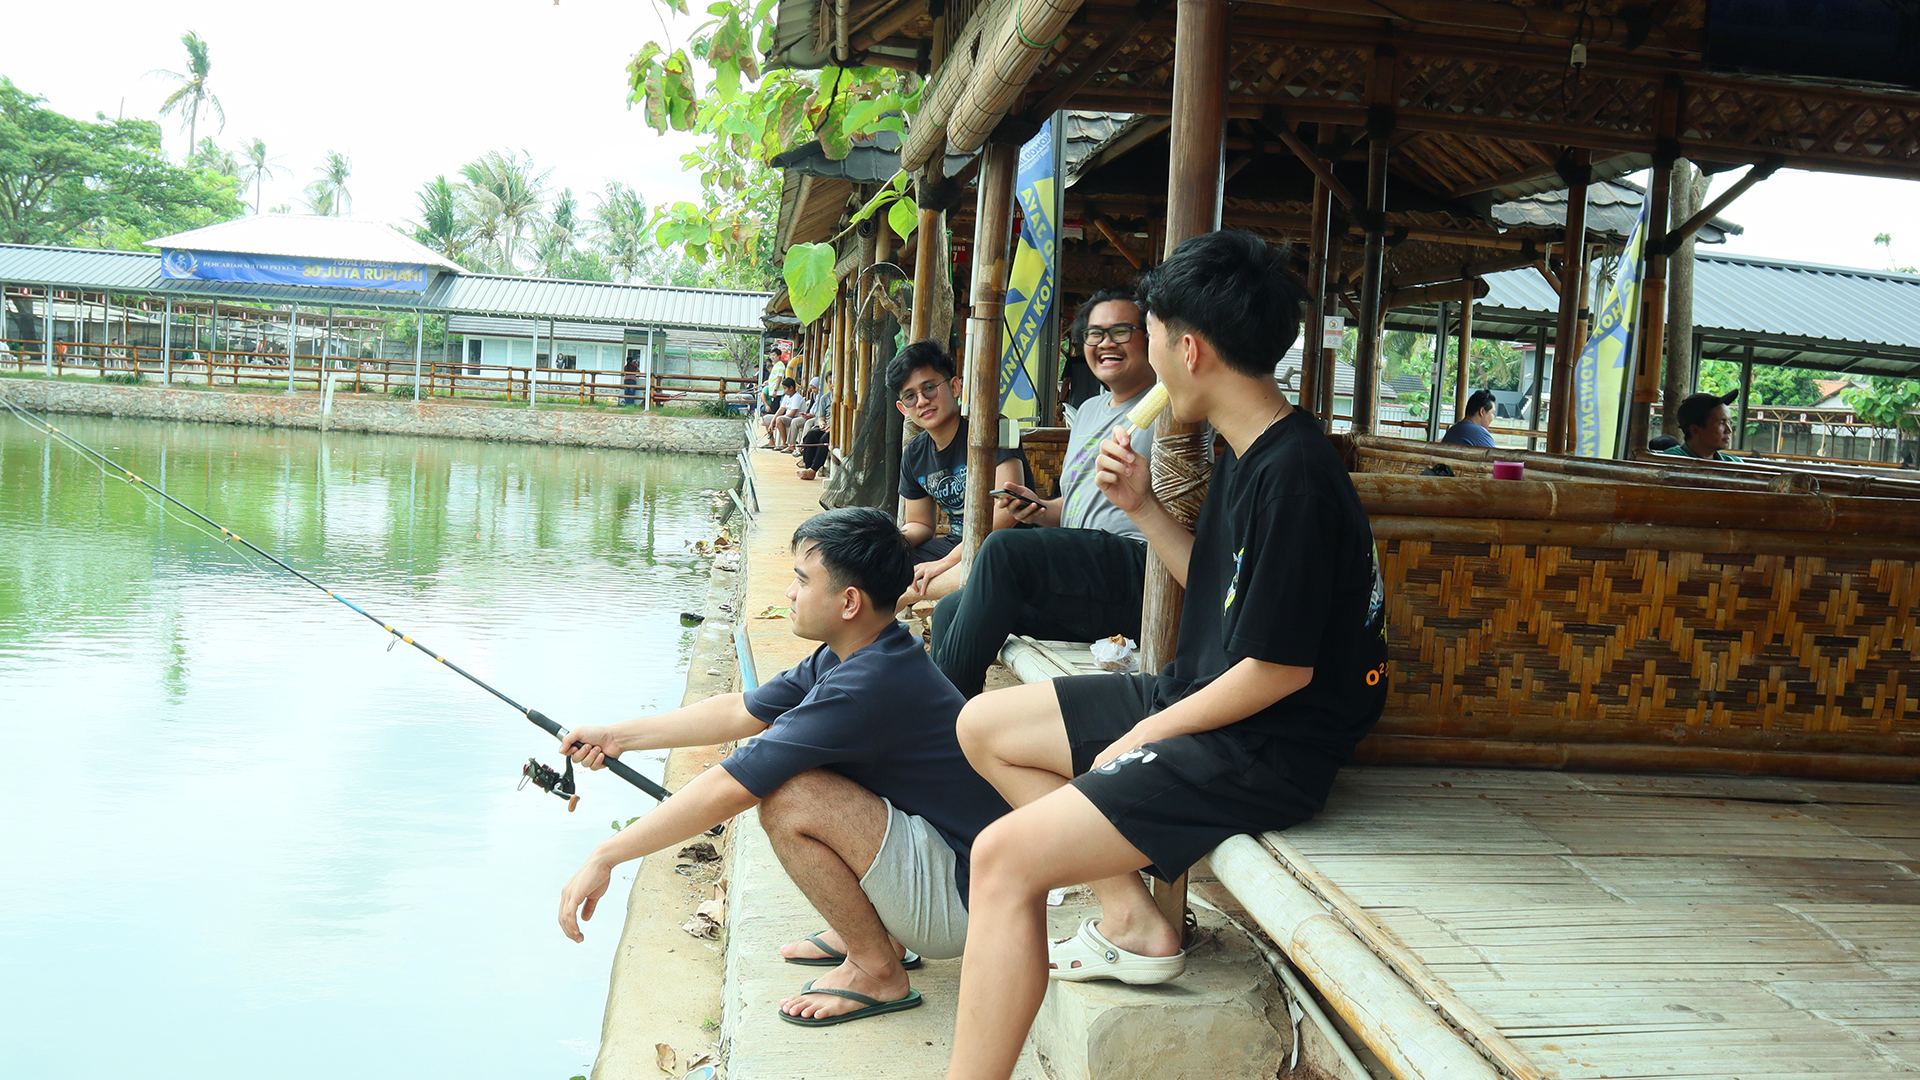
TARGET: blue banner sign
(1030,285)
(291,270)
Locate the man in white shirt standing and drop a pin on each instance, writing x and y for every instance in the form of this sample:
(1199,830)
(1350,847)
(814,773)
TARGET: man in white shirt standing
(1078,577)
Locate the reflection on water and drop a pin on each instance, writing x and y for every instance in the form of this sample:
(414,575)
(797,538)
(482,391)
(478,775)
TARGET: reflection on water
(241,835)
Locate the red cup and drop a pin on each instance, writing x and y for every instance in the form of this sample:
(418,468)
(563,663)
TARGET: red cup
(1509,470)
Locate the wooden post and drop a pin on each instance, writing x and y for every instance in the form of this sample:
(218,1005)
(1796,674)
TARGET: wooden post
(1746,398)
(1463,377)
(1690,189)
(1195,177)
(1439,385)
(1533,395)
(1330,359)
(1573,261)
(1366,357)
(992,237)
(1313,343)
(1651,335)
(924,269)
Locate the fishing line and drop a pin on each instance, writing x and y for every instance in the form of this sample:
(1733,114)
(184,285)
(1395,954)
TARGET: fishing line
(540,775)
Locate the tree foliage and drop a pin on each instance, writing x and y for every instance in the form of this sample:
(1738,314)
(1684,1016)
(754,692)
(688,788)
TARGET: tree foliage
(104,183)
(328,195)
(1772,385)
(192,96)
(255,168)
(1886,402)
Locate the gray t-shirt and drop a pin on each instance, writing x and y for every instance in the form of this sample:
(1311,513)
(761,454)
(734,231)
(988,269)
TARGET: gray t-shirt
(1084,507)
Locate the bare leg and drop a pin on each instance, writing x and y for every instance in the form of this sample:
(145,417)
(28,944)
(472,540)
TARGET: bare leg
(1058,840)
(827,831)
(1016,739)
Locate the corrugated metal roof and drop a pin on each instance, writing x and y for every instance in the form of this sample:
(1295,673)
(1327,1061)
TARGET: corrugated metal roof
(309,236)
(1613,207)
(471,294)
(1802,314)
(494,326)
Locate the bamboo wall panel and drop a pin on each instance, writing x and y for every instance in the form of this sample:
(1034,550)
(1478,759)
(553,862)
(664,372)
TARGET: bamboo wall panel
(1730,649)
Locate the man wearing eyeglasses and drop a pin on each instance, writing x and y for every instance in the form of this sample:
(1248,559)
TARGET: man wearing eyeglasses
(1079,576)
(933,468)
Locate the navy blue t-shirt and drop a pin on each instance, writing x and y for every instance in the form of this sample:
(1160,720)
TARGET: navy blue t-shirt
(1468,433)
(882,718)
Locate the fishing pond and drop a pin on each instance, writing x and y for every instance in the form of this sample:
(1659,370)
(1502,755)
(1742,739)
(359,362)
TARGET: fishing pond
(243,836)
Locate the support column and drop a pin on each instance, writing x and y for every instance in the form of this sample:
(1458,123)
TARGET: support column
(293,342)
(931,221)
(1746,398)
(986,324)
(1330,358)
(1650,338)
(1313,366)
(166,344)
(533,371)
(1366,357)
(1195,177)
(1573,259)
(1463,377)
(420,346)
(1439,384)
(46,341)
(1533,395)
(1689,191)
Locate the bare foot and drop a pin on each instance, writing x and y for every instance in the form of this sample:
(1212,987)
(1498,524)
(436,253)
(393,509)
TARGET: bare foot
(891,985)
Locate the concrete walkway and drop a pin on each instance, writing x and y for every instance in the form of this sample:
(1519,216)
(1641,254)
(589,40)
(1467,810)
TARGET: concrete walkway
(768,911)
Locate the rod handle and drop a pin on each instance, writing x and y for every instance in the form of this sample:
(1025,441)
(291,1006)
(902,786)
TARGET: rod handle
(615,765)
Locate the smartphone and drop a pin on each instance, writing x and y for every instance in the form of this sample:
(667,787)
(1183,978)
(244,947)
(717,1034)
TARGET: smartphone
(1003,493)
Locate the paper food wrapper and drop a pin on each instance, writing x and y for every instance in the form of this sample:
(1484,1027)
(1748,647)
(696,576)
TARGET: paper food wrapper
(1115,654)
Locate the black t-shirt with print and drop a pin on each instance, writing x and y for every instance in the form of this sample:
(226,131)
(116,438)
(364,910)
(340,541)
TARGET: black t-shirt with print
(928,471)
(1284,570)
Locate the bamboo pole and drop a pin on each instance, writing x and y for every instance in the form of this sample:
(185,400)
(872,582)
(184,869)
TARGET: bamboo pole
(1330,360)
(1651,336)
(1572,297)
(1387,749)
(1461,386)
(992,237)
(1689,190)
(1313,347)
(1366,357)
(923,272)
(1746,397)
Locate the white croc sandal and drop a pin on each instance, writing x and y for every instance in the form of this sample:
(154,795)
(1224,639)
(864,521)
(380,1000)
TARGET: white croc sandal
(1098,958)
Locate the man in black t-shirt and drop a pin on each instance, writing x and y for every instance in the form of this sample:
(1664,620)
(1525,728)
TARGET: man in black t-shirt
(870,806)
(933,467)
(1280,670)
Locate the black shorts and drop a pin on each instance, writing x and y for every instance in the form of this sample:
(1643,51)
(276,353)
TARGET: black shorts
(1177,799)
(935,549)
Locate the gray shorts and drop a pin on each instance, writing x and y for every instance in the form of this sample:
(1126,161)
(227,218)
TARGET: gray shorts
(911,886)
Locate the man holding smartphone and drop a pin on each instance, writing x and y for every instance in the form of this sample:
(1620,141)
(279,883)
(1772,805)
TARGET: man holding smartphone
(1078,578)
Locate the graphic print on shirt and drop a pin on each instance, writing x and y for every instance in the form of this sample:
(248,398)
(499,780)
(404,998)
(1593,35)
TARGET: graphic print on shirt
(949,491)
(1233,582)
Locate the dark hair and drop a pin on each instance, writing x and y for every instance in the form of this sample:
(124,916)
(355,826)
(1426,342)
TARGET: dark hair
(788,383)
(1234,289)
(1078,332)
(1694,410)
(862,547)
(925,353)
(1479,399)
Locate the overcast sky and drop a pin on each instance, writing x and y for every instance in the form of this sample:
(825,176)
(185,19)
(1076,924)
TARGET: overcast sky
(410,90)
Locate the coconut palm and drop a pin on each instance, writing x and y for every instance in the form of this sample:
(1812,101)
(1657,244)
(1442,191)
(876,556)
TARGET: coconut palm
(620,230)
(210,156)
(441,226)
(192,95)
(504,194)
(553,248)
(330,191)
(255,167)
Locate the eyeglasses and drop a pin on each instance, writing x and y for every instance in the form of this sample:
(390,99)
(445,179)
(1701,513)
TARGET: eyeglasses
(1118,333)
(927,390)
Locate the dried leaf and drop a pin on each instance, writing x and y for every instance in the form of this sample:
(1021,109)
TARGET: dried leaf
(773,613)
(701,851)
(713,910)
(708,1058)
(701,925)
(664,1057)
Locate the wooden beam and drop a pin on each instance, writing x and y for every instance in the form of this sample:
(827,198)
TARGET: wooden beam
(1466,351)
(1114,40)
(1650,333)
(1455,273)
(1313,343)
(1322,171)
(882,24)
(1521,22)
(1572,268)
(992,237)
(1104,225)
(1447,291)
(1718,206)
(923,272)
(1373,264)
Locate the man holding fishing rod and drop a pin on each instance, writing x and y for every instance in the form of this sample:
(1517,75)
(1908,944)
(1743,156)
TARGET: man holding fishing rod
(867,800)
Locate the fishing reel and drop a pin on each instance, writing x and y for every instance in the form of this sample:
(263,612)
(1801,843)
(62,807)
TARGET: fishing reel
(549,780)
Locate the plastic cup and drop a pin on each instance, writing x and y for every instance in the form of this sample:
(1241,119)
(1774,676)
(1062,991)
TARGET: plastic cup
(1509,470)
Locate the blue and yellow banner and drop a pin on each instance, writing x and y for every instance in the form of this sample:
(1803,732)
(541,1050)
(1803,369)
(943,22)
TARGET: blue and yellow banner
(1604,373)
(290,270)
(1030,284)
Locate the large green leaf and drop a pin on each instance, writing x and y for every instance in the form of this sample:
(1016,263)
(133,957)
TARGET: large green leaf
(810,283)
(677,81)
(903,215)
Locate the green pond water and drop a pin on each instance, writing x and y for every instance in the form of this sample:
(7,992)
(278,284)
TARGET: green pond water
(238,835)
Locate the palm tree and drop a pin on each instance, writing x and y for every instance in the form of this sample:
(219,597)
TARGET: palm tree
(505,193)
(210,156)
(192,95)
(620,230)
(554,249)
(441,225)
(330,191)
(255,167)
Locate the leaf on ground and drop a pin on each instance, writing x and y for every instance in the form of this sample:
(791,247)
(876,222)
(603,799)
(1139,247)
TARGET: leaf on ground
(701,925)
(702,851)
(773,612)
(714,910)
(664,1056)
(708,1058)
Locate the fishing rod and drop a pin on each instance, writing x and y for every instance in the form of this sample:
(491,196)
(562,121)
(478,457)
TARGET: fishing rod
(541,776)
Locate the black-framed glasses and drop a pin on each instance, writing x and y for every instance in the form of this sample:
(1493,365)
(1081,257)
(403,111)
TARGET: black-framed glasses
(1119,333)
(927,390)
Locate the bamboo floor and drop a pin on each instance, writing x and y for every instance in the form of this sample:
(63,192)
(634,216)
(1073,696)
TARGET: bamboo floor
(1617,925)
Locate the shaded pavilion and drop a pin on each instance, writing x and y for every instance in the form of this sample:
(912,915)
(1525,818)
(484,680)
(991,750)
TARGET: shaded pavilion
(1649,617)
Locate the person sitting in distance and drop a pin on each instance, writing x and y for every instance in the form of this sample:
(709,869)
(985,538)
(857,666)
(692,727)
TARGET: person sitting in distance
(1705,429)
(792,404)
(870,806)
(1473,429)
(1079,576)
(933,468)
(1281,668)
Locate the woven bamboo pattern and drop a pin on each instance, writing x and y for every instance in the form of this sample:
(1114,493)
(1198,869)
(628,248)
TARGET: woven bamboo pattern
(1584,644)
(1046,450)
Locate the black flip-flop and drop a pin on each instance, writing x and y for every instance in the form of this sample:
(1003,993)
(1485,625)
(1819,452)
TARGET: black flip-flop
(835,957)
(874,1007)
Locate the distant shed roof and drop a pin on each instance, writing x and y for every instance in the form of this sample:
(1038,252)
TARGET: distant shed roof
(1831,318)
(1613,208)
(465,294)
(309,236)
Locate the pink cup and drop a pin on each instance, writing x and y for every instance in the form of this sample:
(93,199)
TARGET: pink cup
(1509,470)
